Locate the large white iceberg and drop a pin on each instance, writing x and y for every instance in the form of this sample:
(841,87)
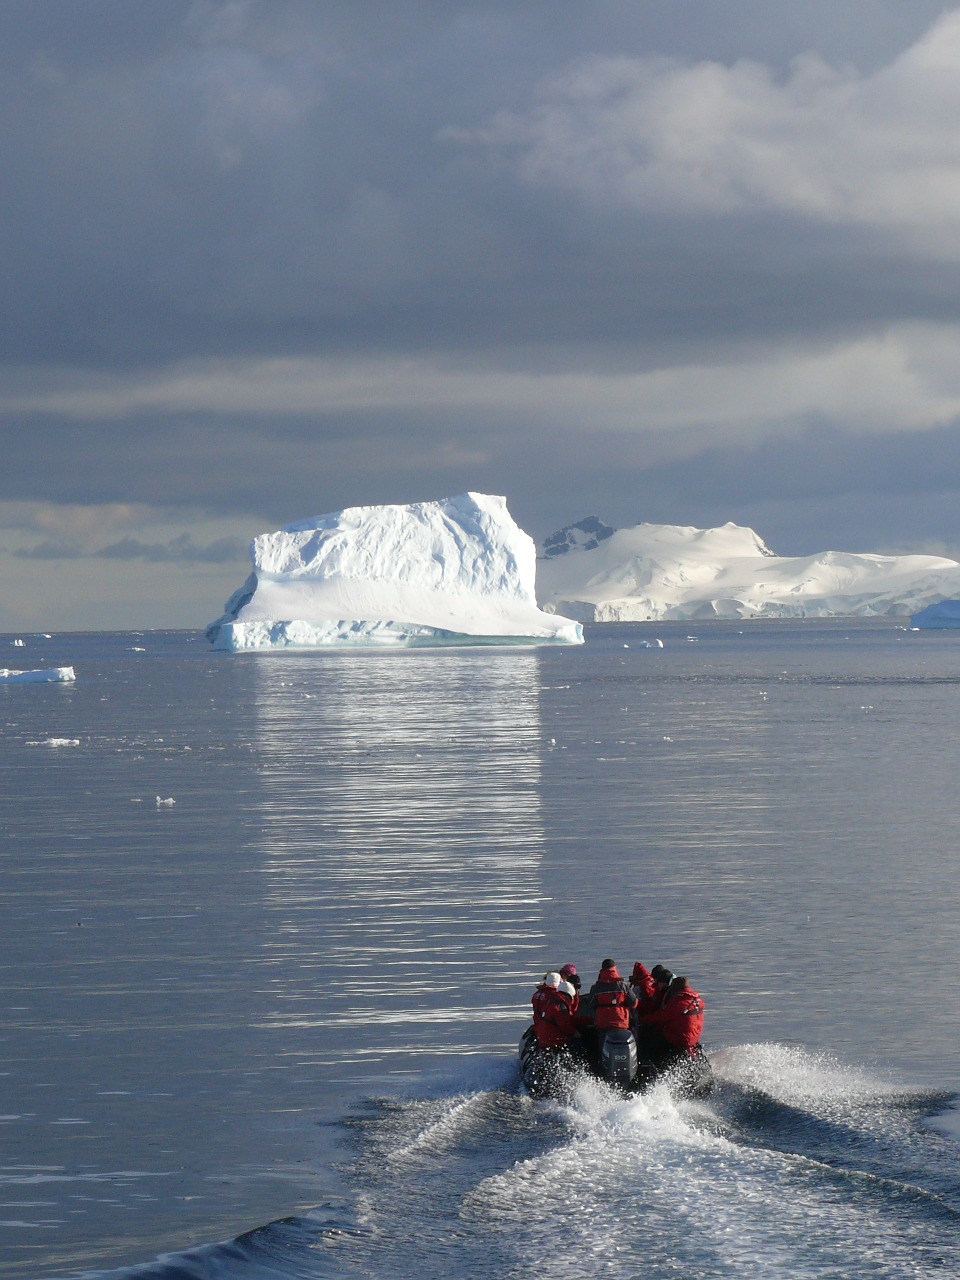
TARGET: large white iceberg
(663,571)
(458,571)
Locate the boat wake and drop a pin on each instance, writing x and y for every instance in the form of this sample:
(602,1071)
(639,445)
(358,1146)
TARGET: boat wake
(796,1166)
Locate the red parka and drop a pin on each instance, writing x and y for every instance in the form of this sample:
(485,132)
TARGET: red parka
(646,987)
(612,1000)
(679,1018)
(552,1019)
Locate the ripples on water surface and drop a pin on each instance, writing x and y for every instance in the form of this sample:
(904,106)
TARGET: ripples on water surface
(301,984)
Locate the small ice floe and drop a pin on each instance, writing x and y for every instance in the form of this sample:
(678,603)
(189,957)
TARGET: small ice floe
(552,744)
(693,639)
(136,648)
(37,677)
(18,644)
(165,804)
(56,742)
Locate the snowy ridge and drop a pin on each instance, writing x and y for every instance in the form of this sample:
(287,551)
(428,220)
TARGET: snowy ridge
(456,571)
(663,572)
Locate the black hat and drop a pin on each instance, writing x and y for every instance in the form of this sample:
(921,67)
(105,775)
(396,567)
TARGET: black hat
(660,973)
(606,964)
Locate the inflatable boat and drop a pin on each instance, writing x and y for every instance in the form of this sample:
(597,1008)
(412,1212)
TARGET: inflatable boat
(551,1073)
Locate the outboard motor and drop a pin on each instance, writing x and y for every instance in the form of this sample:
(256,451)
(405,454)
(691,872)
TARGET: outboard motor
(618,1057)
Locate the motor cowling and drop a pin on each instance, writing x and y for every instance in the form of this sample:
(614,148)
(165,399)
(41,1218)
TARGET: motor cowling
(618,1057)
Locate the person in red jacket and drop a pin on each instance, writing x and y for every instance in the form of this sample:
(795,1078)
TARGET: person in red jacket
(611,999)
(673,1030)
(553,1022)
(649,985)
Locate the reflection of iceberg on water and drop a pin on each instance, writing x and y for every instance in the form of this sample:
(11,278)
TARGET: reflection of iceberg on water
(402,843)
(458,571)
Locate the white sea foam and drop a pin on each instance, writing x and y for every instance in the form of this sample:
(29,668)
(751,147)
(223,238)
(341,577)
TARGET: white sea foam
(948,1122)
(648,1178)
(798,1077)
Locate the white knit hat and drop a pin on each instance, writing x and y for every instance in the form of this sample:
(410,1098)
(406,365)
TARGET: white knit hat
(567,988)
(552,980)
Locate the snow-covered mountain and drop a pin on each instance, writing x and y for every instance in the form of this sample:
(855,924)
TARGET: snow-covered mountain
(663,571)
(458,571)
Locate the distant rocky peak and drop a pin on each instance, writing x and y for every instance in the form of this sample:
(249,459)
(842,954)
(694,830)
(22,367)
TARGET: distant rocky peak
(582,536)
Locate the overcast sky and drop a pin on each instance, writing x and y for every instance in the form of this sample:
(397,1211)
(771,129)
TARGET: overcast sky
(682,262)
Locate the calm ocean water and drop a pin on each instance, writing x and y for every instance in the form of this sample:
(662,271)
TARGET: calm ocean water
(268,1029)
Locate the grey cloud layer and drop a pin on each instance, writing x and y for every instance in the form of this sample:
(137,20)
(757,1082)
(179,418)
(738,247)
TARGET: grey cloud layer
(179,550)
(287,257)
(827,144)
(248,178)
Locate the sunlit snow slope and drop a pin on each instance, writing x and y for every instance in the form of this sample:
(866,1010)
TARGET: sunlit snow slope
(662,571)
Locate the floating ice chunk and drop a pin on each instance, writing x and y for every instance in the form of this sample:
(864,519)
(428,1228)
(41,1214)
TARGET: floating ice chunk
(56,742)
(458,571)
(37,677)
(161,804)
(18,644)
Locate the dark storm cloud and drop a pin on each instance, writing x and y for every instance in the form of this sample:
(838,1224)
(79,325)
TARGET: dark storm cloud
(487,190)
(226,178)
(817,490)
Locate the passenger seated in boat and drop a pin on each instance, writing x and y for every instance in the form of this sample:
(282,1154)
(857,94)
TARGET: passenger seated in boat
(672,1031)
(569,973)
(649,986)
(553,1022)
(611,999)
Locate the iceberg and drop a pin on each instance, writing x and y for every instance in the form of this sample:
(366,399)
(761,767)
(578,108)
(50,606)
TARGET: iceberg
(936,617)
(454,572)
(655,572)
(44,675)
